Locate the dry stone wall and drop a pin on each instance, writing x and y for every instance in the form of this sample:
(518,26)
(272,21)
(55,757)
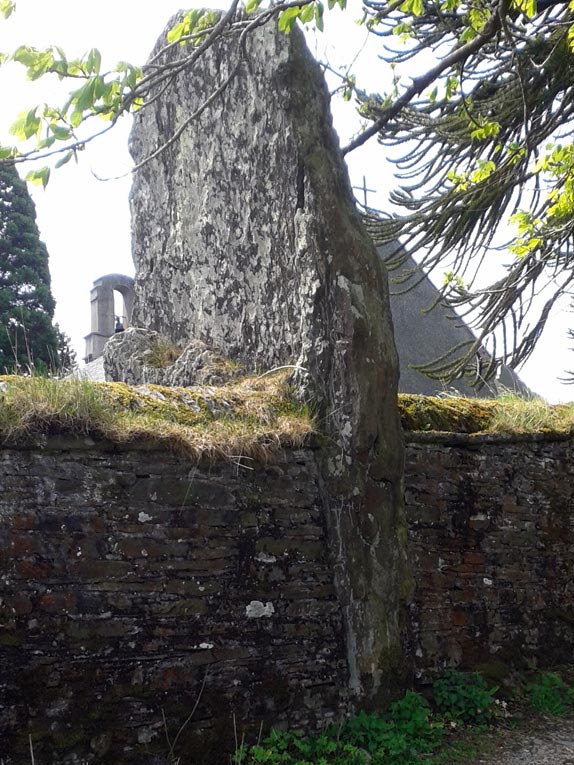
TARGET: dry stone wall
(135,586)
(491,533)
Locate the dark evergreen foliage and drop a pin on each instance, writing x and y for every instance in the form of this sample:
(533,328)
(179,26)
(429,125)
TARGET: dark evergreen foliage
(67,360)
(27,337)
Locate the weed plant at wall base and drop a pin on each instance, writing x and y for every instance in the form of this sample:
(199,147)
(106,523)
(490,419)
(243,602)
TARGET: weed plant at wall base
(396,737)
(551,695)
(406,733)
(464,698)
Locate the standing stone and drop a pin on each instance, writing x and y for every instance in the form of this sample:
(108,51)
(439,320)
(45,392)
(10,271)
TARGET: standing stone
(246,237)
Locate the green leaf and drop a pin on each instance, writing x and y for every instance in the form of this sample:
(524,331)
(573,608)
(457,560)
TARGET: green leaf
(484,170)
(26,125)
(45,143)
(177,32)
(486,130)
(189,24)
(7,8)
(252,6)
(44,63)
(94,61)
(134,75)
(307,14)
(478,19)
(85,97)
(25,55)
(319,10)
(416,7)
(39,177)
(288,18)
(451,86)
(65,159)
(403,30)
(76,118)
(468,35)
(527,7)
(59,132)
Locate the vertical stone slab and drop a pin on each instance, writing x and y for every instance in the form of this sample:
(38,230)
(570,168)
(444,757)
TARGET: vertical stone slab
(246,236)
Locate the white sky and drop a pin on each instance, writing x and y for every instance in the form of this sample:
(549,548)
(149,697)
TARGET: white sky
(85,222)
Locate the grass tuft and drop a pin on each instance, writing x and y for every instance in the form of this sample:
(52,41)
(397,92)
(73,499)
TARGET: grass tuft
(162,353)
(515,414)
(251,418)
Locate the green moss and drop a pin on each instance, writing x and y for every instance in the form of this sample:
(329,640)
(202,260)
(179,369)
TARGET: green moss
(507,414)
(396,668)
(456,415)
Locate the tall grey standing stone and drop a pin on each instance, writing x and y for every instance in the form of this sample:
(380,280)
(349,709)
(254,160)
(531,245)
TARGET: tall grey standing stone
(246,237)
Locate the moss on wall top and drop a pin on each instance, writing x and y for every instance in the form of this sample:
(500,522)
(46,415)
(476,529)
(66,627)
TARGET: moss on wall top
(449,414)
(508,414)
(249,417)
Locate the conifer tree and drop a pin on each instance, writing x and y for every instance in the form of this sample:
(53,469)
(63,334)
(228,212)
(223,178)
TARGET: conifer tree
(27,337)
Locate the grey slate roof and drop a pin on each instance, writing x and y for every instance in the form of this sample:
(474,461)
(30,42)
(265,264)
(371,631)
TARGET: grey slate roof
(423,335)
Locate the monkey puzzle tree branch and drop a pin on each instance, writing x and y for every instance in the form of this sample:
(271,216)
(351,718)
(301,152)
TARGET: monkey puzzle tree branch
(456,57)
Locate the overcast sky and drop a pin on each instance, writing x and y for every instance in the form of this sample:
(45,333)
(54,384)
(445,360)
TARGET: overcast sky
(85,222)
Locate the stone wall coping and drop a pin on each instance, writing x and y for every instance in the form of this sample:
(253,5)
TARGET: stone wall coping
(475,439)
(313,441)
(71,443)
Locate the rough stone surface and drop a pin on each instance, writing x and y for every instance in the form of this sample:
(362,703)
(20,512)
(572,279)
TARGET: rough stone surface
(246,237)
(94,370)
(135,585)
(128,578)
(491,540)
(127,359)
(124,355)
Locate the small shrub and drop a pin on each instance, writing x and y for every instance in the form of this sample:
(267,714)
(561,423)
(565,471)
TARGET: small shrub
(397,737)
(282,748)
(550,695)
(464,697)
